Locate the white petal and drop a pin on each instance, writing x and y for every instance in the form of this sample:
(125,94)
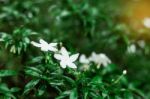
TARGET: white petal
(35,44)
(43,42)
(131,49)
(102,55)
(72,65)
(93,56)
(124,72)
(74,57)
(52,49)
(141,43)
(43,48)
(64,51)
(53,44)
(62,64)
(84,59)
(57,56)
(146,22)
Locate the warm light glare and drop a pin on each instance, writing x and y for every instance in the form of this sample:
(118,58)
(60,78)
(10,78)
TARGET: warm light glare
(137,11)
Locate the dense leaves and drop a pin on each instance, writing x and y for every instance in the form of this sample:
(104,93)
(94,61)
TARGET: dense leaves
(81,26)
(5,73)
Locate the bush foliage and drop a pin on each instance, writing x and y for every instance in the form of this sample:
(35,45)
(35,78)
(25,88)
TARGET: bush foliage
(81,26)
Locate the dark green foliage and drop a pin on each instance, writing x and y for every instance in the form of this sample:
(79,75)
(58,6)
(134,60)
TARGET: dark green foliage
(81,26)
(18,41)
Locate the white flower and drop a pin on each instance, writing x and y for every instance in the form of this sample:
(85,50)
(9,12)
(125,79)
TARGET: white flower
(45,46)
(141,43)
(146,22)
(100,59)
(124,72)
(64,13)
(85,62)
(83,59)
(65,59)
(131,48)
(85,67)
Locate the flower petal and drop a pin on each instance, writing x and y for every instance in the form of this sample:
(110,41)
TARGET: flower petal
(72,65)
(83,59)
(53,44)
(44,48)
(43,42)
(64,52)
(35,44)
(93,57)
(74,57)
(63,65)
(50,48)
(57,56)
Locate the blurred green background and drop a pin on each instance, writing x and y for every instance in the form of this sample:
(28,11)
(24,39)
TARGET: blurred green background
(106,26)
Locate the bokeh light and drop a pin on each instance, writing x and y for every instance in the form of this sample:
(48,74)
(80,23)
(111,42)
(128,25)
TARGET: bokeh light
(137,15)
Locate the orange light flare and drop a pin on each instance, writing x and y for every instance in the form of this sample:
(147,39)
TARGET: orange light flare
(137,17)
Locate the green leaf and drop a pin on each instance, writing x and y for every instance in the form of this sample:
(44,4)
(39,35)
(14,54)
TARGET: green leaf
(94,95)
(128,95)
(64,94)
(70,80)
(36,59)
(31,85)
(85,95)
(4,88)
(10,96)
(15,89)
(33,71)
(96,80)
(41,90)
(104,94)
(5,73)
(73,94)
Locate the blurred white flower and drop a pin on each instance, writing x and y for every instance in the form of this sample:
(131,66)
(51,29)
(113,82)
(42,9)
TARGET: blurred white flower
(65,59)
(45,46)
(83,59)
(64,13)
(146,22)
(141,43)
(100,59)
(85,67)
(124,72)
(85,62)
(131,48)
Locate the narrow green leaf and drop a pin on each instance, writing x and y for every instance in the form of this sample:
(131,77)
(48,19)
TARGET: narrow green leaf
(73,94)
(4,88)
(4,73)
(14,89)
(64,94)
(41,90)
(31,85)
(33,71)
